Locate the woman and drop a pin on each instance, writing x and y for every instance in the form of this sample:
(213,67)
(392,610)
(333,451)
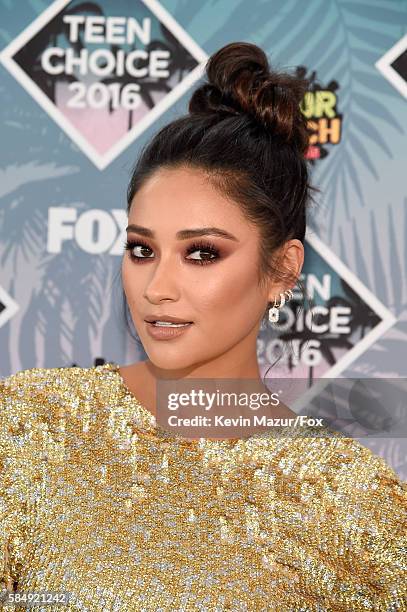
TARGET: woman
(101,502)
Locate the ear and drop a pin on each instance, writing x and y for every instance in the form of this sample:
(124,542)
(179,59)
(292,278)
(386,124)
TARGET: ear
(291,262)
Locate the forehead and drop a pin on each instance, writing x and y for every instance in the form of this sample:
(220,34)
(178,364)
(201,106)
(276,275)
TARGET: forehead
(185,198)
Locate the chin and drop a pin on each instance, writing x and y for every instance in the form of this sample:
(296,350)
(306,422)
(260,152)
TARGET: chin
(169,358)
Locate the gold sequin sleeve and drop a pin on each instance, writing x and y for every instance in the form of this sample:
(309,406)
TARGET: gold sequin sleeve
(370,543)
(20,480)
(372,512)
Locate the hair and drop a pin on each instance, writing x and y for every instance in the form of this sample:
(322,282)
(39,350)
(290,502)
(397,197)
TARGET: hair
(246,132)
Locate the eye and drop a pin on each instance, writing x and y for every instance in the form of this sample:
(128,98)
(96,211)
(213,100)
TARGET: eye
(209,251)
(131,245)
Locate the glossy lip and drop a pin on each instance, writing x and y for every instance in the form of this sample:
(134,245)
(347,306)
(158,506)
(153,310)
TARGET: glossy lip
(168,318)
(165,333)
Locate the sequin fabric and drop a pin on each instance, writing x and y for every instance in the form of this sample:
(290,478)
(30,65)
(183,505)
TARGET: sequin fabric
(98,501)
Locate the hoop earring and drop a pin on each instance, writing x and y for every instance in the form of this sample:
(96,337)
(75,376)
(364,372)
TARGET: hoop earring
(274,312)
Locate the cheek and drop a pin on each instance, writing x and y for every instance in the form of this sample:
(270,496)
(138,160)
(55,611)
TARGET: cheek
(130,282)
(229,293)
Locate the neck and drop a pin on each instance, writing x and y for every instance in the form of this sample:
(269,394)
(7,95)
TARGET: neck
(245,368)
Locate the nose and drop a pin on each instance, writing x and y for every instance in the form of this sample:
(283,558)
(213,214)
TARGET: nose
(162,284)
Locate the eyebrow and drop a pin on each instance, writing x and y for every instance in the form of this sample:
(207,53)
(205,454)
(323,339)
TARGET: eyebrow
(186,233)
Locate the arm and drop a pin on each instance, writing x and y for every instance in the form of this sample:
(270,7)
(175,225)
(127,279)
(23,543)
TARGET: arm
(19,478)
(375,520)
(335,520)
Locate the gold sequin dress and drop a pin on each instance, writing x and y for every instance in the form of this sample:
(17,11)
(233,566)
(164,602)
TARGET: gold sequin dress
(96,500)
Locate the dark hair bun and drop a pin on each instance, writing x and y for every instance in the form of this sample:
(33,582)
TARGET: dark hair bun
(240,81)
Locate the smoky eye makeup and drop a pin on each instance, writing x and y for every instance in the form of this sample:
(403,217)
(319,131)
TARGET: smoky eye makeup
(209,253)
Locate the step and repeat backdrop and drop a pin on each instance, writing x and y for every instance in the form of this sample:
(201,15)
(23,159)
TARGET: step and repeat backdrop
(84,85)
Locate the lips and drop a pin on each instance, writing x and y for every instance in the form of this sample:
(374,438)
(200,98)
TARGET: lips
(166,324)
(167,332)
(165,319)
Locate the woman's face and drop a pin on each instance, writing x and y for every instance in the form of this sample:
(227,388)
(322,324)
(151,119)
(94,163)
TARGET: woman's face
(208,279)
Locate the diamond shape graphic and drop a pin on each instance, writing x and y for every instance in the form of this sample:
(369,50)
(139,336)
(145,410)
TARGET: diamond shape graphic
(347,319)
(368,318)
(393,65)
(8,307)
(105,70)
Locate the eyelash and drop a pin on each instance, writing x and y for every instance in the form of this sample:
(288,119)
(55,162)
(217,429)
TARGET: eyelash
(197,246)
